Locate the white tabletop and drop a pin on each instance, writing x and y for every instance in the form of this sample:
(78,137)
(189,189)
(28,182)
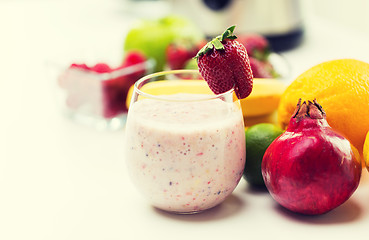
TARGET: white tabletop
(61,180)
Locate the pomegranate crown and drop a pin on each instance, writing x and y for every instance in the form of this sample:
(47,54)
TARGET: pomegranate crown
(311,110)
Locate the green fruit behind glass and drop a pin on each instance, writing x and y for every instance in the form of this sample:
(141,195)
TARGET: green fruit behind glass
(153,36)
(191,64)
(258,139)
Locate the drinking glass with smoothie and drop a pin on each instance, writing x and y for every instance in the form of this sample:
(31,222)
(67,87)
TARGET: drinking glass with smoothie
(185,145)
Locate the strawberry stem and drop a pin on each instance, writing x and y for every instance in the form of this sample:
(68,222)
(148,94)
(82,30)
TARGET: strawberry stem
(217,42)
(228,33)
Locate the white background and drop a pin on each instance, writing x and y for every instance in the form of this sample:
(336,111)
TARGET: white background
(61,180)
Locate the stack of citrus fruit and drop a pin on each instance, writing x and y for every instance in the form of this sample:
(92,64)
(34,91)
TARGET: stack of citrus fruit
(342,88)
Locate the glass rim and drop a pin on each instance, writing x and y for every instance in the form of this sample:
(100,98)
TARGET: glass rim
(203,97)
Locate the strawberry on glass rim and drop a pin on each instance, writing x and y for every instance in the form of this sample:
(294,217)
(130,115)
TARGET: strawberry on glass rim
(224,64)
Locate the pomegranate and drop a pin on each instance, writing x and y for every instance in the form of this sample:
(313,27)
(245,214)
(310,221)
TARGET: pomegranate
(310,169)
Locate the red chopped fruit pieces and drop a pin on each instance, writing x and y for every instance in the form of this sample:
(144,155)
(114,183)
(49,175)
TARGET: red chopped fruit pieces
(259,50)
(81,66)
(179,53)
(257,46)
(101,68)
(261,69)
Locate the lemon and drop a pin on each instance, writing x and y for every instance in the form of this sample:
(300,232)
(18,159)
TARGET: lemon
(258,139)
(263,100)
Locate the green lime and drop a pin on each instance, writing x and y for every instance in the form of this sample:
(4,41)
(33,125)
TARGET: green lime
(258,139)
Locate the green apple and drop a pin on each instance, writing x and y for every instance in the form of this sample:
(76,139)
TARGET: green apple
(152,37)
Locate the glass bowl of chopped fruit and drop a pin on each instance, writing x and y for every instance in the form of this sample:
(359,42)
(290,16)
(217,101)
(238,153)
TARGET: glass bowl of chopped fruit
(95,94)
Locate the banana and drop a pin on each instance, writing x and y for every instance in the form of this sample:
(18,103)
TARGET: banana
(262,102)
(264,98)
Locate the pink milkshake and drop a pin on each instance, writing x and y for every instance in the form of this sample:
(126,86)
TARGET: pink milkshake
(185,152)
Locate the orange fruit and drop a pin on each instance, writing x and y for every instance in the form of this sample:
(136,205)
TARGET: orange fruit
(342,88)
(366,151)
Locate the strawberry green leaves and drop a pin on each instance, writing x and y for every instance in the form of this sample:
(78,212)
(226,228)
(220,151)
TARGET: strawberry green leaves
(217,42)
